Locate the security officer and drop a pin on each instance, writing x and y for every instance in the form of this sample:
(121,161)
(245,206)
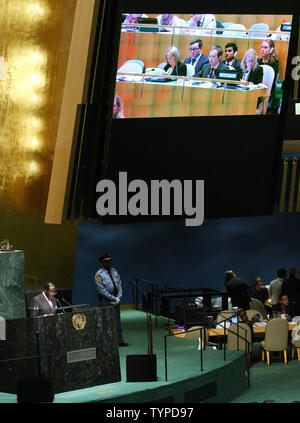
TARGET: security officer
(109,288)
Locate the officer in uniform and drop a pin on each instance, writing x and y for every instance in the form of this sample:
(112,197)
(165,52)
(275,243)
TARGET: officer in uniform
(109,288)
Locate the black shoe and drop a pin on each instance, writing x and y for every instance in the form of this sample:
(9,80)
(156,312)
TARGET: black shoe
(123,344)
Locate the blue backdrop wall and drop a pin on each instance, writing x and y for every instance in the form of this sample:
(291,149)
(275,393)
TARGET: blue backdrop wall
(187,257)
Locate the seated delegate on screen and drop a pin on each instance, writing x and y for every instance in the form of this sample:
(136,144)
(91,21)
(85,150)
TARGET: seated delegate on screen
(197,58)
(252,72)
(202,21)
(173,21)
(131,18)
(211,69)
(230,61)
(269,57)
(199,21)
(174,66)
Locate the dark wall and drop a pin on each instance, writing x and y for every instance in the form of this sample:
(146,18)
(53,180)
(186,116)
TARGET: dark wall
(179,256)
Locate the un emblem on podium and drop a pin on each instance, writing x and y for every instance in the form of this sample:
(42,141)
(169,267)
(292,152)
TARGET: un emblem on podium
(79,321)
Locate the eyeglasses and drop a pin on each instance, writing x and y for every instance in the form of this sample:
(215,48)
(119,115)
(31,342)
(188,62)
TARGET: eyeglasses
(194,49)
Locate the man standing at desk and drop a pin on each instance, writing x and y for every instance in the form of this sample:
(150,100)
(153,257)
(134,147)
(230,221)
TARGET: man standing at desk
(109,288)
(197,58)
(210,70)
(237,289)
(44,304)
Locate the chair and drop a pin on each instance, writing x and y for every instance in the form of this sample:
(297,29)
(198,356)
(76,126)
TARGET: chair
(227,24)
(222,315)
(219,25)
(257,305)
(234,342)
(154,71)
(132,66)
(295,341)
(233,33)
(225,314)
(190,70)
(194,333)
(252,312)
(259,27)
(276,338)
(268,78)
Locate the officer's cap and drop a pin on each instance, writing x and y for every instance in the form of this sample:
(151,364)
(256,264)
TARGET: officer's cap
(105,257)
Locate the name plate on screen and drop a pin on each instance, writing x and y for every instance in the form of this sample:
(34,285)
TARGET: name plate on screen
(81,355)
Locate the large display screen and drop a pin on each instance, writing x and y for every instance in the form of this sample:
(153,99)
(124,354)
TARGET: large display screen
(173,65)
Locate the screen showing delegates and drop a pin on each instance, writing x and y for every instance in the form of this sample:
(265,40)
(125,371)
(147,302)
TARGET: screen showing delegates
(201,65)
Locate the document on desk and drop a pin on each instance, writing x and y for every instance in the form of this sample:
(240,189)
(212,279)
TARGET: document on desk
(221,326)
(258,324)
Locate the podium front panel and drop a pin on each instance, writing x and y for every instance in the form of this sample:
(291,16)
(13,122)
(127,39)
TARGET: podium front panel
(78,349)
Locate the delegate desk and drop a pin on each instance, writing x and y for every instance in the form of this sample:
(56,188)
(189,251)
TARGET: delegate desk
(151,47)
(220,331)
(256,329)
(178,98)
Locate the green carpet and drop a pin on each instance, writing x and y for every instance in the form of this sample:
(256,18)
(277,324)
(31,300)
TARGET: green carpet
(277,382)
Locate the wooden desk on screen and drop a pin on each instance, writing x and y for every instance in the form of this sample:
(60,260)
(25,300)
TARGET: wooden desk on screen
(151,47)
(168,99)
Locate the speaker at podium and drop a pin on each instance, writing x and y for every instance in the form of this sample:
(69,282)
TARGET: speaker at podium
(78,349)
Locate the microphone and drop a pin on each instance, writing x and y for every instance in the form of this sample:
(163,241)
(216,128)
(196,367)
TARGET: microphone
(60,304)
(201,22)
(55,293)
(65,301)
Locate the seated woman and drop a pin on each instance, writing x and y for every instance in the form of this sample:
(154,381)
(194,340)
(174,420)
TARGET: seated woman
(174,66)
(252,72)
(270,57)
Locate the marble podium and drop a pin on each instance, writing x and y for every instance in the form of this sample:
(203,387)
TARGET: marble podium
(79,350)
(12,290)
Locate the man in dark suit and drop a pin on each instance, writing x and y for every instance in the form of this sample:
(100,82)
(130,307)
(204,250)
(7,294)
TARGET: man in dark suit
(44,304)
(230,61)
(238,290)
(260,292)
(291,287)
(197,58)
(210,70)
(284,307)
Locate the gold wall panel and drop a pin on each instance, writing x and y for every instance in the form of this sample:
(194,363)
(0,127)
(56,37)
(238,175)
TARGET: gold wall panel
(75,92)
(35,40)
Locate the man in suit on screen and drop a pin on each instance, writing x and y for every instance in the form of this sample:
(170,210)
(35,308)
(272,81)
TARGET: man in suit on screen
(230,61)
(197,58)
(211,69)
